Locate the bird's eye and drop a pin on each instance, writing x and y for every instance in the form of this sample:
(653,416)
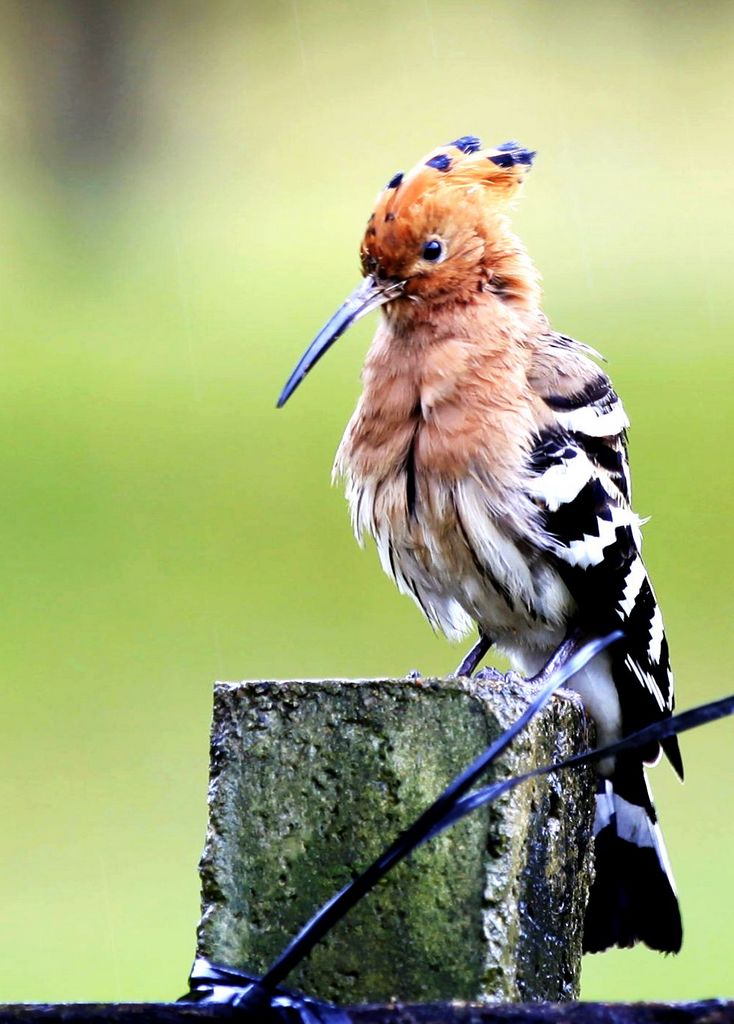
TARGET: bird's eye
(432,251)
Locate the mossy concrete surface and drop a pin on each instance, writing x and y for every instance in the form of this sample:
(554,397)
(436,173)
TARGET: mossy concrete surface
(311,780)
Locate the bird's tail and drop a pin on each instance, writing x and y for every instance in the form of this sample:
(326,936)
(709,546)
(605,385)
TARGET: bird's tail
(633,897)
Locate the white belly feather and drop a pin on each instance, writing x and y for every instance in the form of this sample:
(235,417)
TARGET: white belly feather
(462,562)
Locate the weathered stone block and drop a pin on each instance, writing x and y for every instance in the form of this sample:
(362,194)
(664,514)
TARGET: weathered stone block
(310,780)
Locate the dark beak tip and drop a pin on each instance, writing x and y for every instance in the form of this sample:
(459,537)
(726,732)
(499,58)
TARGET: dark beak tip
(287,391)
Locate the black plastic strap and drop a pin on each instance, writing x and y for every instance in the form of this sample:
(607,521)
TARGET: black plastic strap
(215,984)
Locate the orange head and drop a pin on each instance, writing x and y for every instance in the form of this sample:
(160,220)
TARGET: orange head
(438,235)
(442,228)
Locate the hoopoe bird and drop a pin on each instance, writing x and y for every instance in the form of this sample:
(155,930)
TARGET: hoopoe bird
(487,458)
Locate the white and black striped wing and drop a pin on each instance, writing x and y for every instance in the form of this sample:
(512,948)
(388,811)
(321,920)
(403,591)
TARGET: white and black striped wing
(581,481)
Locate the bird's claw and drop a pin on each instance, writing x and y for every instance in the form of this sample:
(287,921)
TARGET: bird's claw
(493,675)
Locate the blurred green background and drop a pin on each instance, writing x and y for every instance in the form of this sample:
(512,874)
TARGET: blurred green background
(183,190)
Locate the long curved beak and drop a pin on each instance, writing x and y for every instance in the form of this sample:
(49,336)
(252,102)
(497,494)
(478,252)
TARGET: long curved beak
(367,296)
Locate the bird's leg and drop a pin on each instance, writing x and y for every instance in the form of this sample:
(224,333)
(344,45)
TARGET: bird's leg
(559,658)
(475,655)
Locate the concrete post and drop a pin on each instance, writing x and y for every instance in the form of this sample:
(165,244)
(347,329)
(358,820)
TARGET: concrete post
(310,780)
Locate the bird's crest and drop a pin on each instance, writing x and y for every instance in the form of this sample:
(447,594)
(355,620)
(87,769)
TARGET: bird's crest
(461,164)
